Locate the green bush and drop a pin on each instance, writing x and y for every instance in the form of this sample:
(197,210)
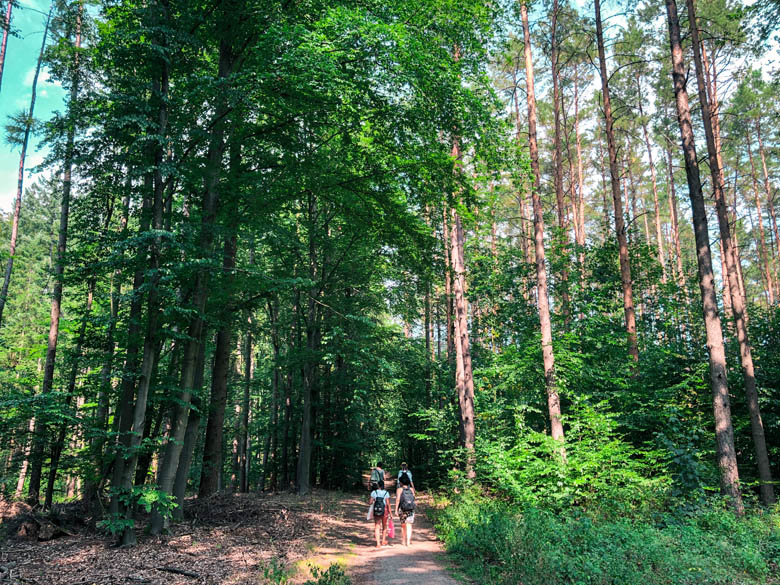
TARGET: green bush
(504,545)
(334,575)
(603,472)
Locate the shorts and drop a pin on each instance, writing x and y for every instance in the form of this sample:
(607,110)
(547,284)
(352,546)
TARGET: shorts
(406,517)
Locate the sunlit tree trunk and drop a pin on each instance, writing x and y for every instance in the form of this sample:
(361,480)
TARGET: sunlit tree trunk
(769,197)
(658,236)
(548,357)
(730,274)
(59,443)
(763,253)
(6,30)
(724,432)
(580,208)
(620,228)
(59,272)
(20,177)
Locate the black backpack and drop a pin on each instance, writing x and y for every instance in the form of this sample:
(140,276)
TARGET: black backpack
(379,504)
(406,474)
(407,503)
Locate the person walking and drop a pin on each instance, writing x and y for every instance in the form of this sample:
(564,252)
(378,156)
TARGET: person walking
(404,507)
(380,506)
(377,475)
(405,470)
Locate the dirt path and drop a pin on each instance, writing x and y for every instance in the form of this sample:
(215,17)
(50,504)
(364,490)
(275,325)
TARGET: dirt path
(421,563)
(233,540)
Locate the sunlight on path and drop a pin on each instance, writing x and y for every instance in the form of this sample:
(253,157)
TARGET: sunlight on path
(423,562)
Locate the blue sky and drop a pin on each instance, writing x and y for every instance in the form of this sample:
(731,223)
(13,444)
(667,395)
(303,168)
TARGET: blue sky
(20,60)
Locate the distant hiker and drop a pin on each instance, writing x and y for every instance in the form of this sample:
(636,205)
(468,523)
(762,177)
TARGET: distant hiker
(405,470)
(377,475)
(380,506)
(404,507)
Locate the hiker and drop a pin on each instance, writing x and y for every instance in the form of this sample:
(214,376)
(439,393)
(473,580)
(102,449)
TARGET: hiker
(405,470)
(404,507)
(377,475)
(380,505)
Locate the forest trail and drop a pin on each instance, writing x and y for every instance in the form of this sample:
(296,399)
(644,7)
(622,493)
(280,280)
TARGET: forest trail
(422,562)
(228,539)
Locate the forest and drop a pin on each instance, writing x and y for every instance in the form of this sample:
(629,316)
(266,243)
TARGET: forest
(531,248)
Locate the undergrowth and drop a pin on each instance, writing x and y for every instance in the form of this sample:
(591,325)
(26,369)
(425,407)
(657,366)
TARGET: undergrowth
(501,544)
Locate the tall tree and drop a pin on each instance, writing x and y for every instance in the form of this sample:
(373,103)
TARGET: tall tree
(737,302)
(614,172)
(6,25)
(543,305)
(22,126)
(724,431)
(59,266)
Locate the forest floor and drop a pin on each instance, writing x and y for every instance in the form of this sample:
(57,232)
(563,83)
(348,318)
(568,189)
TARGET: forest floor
(238,539)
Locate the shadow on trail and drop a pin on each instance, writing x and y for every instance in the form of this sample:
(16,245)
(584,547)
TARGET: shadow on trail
(422,562)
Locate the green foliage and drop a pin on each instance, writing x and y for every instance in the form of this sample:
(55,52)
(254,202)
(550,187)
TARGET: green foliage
(144,496)
(602,471)
(502,544)
(275,573)
(333,575)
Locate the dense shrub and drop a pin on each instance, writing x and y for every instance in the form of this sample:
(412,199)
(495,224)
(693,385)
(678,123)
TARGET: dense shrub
(504,545)
(603,472)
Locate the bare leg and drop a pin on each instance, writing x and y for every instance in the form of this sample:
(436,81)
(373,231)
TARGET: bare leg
(377,533)
(408,535)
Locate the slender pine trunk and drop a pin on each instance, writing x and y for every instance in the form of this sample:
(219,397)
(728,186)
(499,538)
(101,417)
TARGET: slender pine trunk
(738,309)
(620,228)
(548,357)
(727,458)
(6,30)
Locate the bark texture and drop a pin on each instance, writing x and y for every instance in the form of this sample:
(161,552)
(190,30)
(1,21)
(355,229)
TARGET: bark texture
(724,431)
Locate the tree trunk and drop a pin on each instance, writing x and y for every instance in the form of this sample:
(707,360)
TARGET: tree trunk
(59,443)
(6,30)
(190,434)
(764,256)
(558,163)
(580,210)
(658,235)
(25,462)
(101,414)
(464,379)
(448,290)
(152,341)
(769,197)
(625,266)
(548,357)
(605,203)
(216,147)
(737,303)
(212,446)
(285,460)
(124,409)
(59,271)
(243,433)
(18,205)
(727,458)
(303,470)
(39,434)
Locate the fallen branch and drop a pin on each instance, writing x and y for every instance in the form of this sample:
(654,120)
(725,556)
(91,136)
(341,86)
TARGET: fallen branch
(179,572)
